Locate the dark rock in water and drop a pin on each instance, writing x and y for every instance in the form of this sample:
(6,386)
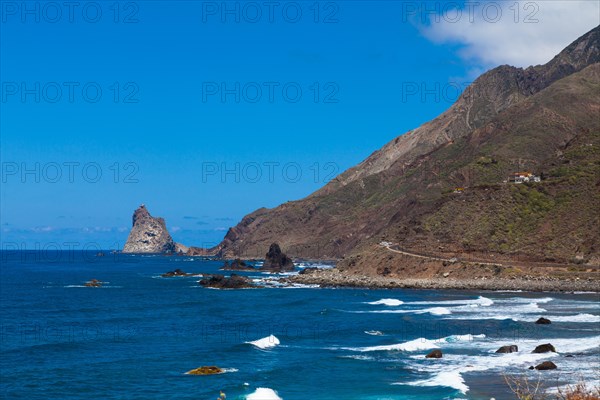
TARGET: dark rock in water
(437,353)
(222,282)
(93,283)
(148,235)
(100,254)
(508,349)
(177,272)
(532,367)
(544,348)
(276,261)
(546,365)
(543,321)
(205,371)
(237,265)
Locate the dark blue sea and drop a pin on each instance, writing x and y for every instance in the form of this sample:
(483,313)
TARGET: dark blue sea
(137,335)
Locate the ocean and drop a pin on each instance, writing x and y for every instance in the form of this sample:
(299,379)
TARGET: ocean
(137,335)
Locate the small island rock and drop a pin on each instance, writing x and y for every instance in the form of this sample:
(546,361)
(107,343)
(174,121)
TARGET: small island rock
(148,234)
(177,272)
(211,370)
(222,282)
(277,261)
(237,265)
(543,321)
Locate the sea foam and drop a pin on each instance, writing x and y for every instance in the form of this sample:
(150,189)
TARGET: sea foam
(451,379)
(413,345)
(387,302)
(266,342)
(263,394)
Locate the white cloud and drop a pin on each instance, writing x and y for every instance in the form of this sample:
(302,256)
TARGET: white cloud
(488,38)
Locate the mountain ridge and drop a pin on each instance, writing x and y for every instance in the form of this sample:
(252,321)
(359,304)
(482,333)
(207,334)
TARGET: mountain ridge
(396,186)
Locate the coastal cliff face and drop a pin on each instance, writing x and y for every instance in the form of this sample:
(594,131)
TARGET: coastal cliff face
(542,119)
(148,234)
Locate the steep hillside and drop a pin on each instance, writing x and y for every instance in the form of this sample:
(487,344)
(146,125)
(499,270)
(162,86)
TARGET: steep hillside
(543,119)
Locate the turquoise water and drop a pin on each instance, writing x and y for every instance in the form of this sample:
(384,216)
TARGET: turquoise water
(135,337)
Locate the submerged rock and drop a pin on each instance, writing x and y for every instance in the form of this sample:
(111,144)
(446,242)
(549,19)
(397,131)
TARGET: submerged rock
(546,365)
(277,261)
(148,234)
(93,283)
(437,353)
(543,321)
(222,282)
(177,272)
(210,370)
(508,349)
(544,348)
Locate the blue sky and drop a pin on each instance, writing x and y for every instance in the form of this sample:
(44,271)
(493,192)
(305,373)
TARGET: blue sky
(108,105)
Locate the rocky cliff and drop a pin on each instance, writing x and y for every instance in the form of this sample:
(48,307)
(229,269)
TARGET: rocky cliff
(543,119)
(148,235)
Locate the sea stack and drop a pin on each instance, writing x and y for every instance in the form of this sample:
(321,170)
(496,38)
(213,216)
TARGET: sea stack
(277,261)
(149,234)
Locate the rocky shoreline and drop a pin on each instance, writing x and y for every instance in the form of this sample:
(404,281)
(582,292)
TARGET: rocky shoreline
(335,278)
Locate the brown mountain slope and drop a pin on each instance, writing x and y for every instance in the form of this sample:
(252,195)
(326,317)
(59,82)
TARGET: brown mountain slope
(509,119)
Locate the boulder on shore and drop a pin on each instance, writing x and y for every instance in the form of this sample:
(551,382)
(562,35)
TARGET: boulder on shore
(211,370)
(277,261)
(543,321)
(508,349)
(544,348)
(437,353)
(546,365)
(222,282)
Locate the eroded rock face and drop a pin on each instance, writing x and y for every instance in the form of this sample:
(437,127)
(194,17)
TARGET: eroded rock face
(277,261)
(148,235)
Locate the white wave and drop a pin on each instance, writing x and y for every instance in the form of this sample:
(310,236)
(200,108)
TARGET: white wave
(266,342)
(451,379)
(374,333)
(71,286)
(358,357)
(527,300)
(480,301)
(438,311)
(463,338)
(413,345)
(386,302)
(575,318)
(263,394)
(449,372)
(230,370)
(432,311)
